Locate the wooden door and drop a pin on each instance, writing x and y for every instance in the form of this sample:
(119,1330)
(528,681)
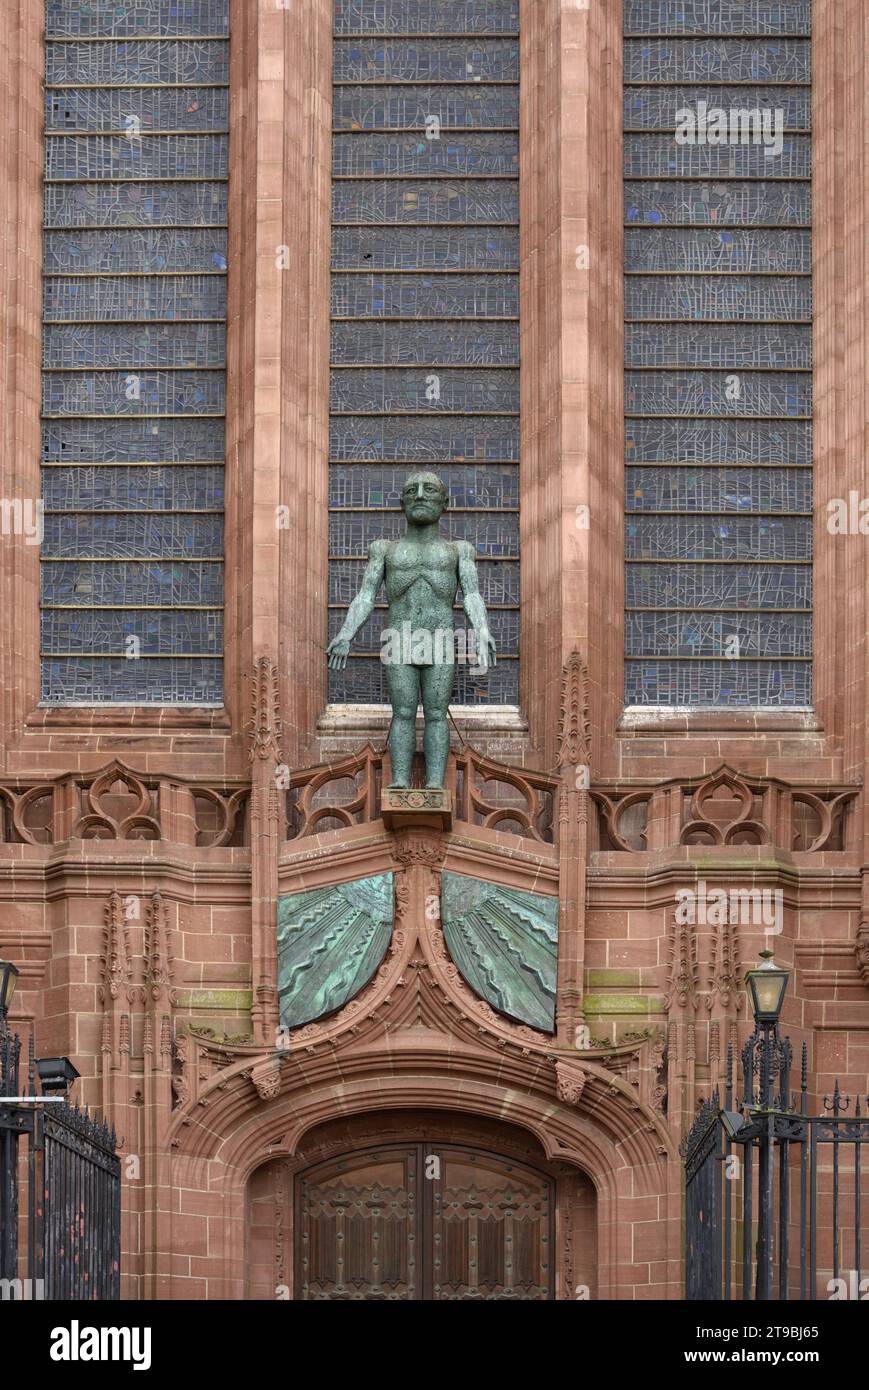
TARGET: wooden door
(423,1221)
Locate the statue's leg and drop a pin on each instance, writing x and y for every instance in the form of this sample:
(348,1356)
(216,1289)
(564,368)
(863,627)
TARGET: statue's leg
(437,687)
(402,682)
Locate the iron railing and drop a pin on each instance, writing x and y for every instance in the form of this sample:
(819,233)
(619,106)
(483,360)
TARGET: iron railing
(775,1198)
(71,1205)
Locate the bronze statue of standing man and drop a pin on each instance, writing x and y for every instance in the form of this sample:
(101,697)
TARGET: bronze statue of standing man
(422,573)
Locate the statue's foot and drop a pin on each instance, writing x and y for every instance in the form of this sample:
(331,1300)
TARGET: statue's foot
(398,786)
(434,787)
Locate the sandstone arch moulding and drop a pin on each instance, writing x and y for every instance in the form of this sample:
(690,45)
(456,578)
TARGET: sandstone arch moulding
(220,1141)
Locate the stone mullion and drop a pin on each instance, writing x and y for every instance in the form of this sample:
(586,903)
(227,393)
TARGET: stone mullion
(573,860)
(21,122)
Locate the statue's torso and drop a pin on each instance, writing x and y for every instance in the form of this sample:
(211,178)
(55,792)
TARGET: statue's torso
(421,580)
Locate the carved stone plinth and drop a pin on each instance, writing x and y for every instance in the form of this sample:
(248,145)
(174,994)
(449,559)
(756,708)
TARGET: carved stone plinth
(402,807)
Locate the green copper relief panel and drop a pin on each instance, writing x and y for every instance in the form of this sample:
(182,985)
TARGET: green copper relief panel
(330,942)
(505,943)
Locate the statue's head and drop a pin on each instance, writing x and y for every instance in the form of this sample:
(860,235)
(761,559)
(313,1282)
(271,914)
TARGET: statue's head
(423,498)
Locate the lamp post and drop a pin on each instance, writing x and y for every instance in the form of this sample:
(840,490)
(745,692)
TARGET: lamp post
(8,979)
(766,985)
(56,1074)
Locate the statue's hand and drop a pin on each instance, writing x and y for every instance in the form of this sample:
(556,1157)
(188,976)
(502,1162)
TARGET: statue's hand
(486,652)
(337,652)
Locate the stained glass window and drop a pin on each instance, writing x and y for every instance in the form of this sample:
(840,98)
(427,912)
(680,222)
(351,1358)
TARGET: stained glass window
(718,384)
(425,303)
(133,385)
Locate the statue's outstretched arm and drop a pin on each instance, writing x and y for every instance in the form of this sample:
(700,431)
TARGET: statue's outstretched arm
(361,608)
(475,607)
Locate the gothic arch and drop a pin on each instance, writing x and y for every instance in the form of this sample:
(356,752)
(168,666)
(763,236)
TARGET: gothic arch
(604,1133)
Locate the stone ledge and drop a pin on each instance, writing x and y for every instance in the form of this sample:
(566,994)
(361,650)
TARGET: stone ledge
(684,719)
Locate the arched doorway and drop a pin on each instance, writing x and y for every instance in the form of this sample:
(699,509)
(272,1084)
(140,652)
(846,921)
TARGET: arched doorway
(373,1208)
(426,1221)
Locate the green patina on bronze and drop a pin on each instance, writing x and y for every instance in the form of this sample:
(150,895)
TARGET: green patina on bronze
(330,942)
(422,573)
(505,943)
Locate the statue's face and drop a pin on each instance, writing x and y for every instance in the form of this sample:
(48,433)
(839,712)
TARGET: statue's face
(422,498)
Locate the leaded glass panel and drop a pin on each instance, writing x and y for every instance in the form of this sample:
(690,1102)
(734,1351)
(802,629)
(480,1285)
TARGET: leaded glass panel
(690,489)
(718,524)
(720,204)
(425,248)
(705,17)
(160,252)
(128,109)
(770,298)
(717,393)
(140,393)
(79,157)
(763,684)
(129,18)
(148,488)
(129,441)
(382,156)
(444,392)
(134,345)
(740,251)
(768,635)
(159,297)
(145,584)
(136,205)
(719,345)
(426,17)
(443,344)
(738,538)
(425,296)
(719,587)
(481,201)
(135,260)
(656,108)
(487,439)
(412,107)
(131,535)
(717,60)
(662,156)
(770,443)
(109,680)
(426,60)
(104,632)
(136,63)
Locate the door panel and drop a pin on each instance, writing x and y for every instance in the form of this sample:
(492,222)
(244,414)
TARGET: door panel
(357,1228)
(475,1226)
(491,1229)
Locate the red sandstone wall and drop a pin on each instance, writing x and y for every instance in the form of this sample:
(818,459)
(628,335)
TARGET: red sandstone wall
(113,981)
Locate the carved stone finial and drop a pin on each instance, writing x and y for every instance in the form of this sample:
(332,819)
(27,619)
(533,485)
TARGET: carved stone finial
(684,970)
(574,741)
(115,960)
(159,965)
(267,730)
